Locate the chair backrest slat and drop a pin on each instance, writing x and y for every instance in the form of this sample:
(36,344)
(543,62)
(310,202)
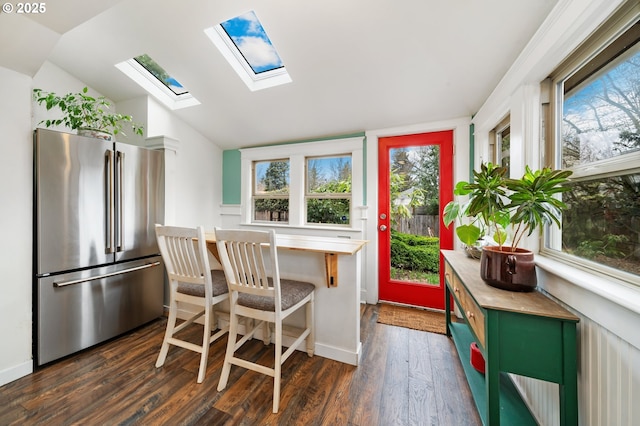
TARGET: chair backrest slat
(243,253)
(185,256)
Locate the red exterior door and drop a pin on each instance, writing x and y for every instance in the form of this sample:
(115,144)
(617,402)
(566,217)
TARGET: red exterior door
(412,167)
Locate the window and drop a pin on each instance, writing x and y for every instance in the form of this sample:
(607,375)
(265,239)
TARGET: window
(503,139)
(500,144)
(160,74)
(248,36)
(598,138)
(159,83)
(245,45)
(317,184)
(328,190)
(271,191)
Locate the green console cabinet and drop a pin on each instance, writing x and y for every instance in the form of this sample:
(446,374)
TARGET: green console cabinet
(527,334)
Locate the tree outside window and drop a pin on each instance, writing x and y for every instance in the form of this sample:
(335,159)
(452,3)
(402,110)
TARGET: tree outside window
(271,191)
(600,142)
(328,190)
(414,181)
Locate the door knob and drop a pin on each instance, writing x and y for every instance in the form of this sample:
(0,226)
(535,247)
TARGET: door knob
(383,227)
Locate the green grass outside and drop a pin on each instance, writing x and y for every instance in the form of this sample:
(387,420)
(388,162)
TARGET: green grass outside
(415,276)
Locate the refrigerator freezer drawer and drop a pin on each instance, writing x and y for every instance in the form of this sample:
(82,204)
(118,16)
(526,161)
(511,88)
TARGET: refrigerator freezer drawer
(78,310)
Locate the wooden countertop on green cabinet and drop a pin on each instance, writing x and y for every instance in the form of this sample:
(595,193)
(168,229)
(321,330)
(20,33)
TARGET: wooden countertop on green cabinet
(527,334)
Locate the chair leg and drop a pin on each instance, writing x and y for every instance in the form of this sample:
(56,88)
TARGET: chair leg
(206,336)
(310,323)
(171,325)
(214,319)
(277,366)
(231,343)
(266,333)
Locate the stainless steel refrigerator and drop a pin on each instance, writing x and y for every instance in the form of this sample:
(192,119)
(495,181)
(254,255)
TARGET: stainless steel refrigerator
(97,268)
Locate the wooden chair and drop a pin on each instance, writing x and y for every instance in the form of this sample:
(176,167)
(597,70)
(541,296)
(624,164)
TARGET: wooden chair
(191,281)
(266,299)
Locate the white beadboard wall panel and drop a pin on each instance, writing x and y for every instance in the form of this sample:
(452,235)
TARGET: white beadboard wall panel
(608,381)
(541,397)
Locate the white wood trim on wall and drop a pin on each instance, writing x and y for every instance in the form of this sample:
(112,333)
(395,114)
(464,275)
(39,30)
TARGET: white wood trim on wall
(568,24)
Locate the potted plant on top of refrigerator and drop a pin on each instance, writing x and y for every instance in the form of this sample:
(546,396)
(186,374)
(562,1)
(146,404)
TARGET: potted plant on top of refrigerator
(88,115)
(507,210)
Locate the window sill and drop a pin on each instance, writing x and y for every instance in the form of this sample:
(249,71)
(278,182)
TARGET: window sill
(327,228)
(611,303)
(611,289)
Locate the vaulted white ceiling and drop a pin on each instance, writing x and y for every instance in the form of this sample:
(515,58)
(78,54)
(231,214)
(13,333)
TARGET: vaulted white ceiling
(356,65)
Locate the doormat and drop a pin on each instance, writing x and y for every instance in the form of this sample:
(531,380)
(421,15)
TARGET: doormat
(417,319)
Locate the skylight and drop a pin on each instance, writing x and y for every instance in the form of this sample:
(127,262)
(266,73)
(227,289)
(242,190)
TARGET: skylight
(154,79)
(250,39)
(158,72)
(245,45)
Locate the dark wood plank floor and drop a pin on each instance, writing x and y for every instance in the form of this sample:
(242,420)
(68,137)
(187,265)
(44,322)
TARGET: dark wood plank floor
(406,377)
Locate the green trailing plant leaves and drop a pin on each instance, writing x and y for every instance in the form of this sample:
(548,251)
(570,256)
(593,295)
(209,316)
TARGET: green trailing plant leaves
(81,111)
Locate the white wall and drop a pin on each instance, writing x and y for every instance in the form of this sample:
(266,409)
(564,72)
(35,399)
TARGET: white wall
(196,166)
(193,165)
(193,170)
(15,225)
(138,108)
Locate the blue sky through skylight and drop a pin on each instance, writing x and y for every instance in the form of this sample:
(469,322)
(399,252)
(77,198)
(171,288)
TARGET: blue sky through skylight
(252,41)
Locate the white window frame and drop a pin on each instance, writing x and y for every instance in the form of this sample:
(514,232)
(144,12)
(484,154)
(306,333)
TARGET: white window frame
(326,195)
(622,164)
(136,72)
(495,141)
(297,154)
(255,196)
(230,52)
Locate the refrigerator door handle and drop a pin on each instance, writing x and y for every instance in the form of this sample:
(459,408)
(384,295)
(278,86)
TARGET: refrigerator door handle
(110,202)
(120,216)
(99,277)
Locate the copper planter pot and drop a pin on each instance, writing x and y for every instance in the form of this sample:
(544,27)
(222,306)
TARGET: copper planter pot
(508,270)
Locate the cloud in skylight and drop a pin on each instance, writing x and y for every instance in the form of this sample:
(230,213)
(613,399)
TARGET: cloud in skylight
(249,36)
(259,53)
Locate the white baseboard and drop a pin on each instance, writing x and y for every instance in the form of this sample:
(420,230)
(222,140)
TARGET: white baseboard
(339,354)
(16,372)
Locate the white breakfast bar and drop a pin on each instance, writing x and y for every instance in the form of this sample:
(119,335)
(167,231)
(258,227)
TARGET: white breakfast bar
(333,265)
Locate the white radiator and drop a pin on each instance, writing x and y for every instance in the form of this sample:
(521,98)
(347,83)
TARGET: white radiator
(608,381)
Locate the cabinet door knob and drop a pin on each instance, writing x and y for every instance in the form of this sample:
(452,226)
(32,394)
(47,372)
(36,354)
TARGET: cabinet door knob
(469,314)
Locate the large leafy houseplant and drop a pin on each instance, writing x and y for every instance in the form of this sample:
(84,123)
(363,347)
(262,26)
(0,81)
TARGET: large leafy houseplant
(498,204)
(83,112)
(507,210)
(485,214)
